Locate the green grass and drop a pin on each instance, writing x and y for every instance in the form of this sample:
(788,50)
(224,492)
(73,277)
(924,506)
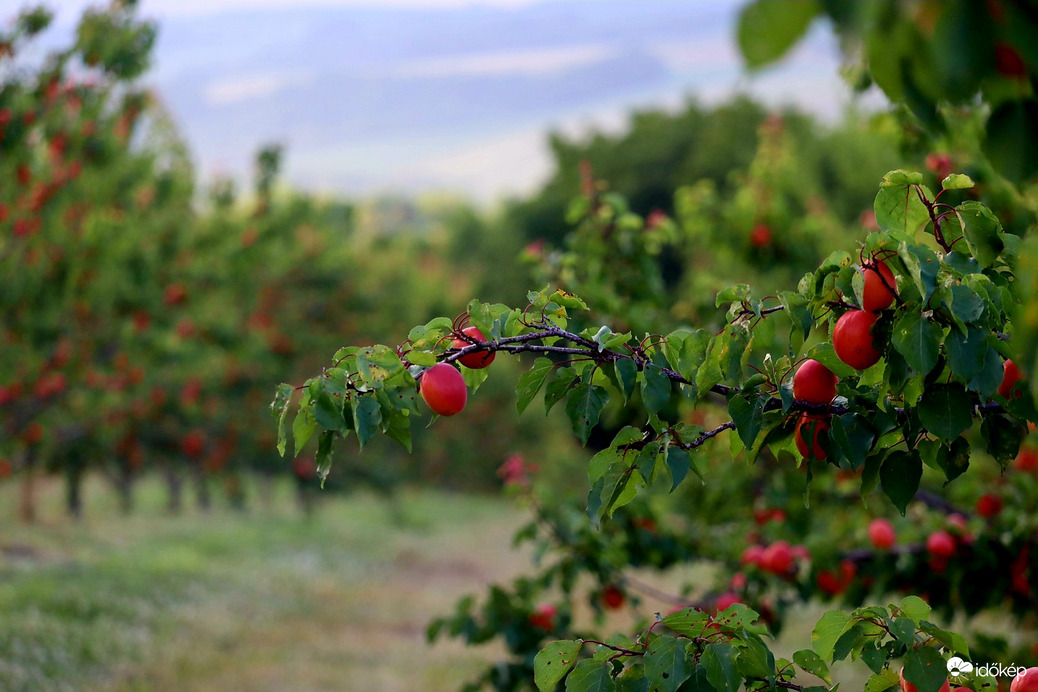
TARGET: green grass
(262,600)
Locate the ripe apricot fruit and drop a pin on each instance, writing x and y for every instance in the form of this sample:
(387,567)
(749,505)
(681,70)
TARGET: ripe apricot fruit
(477,359)
(906,686)
(881,534)
(877,296)
(814,383)
(1026,681)
(852,339)
(814,425)
(443,389)
(1010,376)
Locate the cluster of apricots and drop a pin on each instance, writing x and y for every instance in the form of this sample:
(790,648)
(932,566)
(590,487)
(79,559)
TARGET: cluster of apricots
(853,343)
(443,387)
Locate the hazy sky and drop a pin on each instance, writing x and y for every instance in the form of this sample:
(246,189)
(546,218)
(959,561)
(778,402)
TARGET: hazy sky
(366,101)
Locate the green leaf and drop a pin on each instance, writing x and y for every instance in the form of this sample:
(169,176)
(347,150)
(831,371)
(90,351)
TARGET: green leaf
(530,382)
(739,617)
(812,663)
(732,294)
(957,181)
(367,415)
(954,459)
(557,388)
(665,665)
(1002,437)
(903,630)
(553,662)
(424,358)
(755,660)
(798,310)
(327,409)
(826,355)
(325,442)
(923,266)
(900,476)
(689,622)
(918,340)
(748,416)
(626,375)
(303,428)
(1011,143)
(966,305)
(828,631)
(965,351)
(584,405)
(591,676)
(915,608)
(898,208)
(279,409)
(719,661)
(981,229)
(678,463)
(655,388)
(769,28)
(946,410)
(925,668)
(851,438)
(881,682)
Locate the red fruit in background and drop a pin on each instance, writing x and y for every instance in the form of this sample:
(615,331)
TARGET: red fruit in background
(191,392)
(305,468)
(940,544)
(5,468)
(777,558)
(1026,681)
(141,320)
(477,359)
(877,296)
(174,294)
(852,339)
(760,236)
(612,597)
(24,174)
(1008,62)
(193,444)
(725,601)
(989,505)
(815,383)
(814,425)
(544,617)
(752,555)
(1026,460)
(33,434)
(443,389)
(829,583)
(882,534)
(939,164)
(1010,376)
(5,213)
(906,686)
(185,328)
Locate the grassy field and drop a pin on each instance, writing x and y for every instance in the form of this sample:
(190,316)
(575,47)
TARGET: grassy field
(244,601)
(256,600)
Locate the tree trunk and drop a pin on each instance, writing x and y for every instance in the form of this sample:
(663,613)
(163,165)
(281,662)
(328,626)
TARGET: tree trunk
(74,468)
(27,496)
(175,484)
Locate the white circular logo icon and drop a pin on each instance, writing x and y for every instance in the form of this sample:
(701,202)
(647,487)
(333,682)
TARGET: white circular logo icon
(957,666)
